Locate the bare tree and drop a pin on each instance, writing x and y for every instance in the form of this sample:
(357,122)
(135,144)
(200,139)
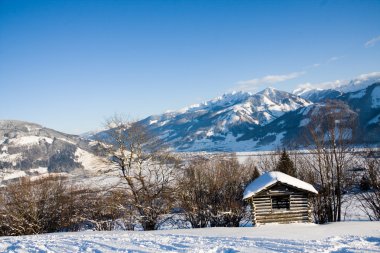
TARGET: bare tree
(210,191)
(193,193)
(148,169)
(330,134)
(268,161)
(369,198)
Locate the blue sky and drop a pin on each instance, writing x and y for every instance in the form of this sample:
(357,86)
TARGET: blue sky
(69,65)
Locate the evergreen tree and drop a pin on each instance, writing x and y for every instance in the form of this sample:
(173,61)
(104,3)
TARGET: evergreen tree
(254,174)
(286,165)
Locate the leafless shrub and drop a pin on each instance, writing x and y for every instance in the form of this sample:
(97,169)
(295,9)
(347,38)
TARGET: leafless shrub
(50,205)
(210,191)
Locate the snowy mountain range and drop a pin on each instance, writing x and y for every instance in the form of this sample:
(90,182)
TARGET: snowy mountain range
(218,124)
(238,121)
(242,121)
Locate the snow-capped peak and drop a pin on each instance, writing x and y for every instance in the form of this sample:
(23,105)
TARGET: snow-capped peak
(360,82)
(225,99)
(305,90)
(270,92)
(232,113)
(332,90)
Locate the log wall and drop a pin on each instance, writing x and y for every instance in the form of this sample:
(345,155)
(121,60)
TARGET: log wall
(299,208)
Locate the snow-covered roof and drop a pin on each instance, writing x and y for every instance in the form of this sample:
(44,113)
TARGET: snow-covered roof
(270,178)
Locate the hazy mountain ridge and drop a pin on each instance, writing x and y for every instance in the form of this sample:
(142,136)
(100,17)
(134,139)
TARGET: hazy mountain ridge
(31,149)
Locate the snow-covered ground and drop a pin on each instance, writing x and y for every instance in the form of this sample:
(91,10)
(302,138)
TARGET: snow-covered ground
(335,237)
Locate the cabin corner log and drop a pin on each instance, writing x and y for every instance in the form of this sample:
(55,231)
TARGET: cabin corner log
(254,222)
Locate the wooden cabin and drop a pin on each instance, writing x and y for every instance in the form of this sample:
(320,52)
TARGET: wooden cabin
(278,197)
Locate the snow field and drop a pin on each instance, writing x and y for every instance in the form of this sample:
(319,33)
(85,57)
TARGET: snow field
(334,237)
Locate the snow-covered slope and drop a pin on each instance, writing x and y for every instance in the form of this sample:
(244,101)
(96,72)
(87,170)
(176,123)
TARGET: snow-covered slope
(366,103)
(28,149)
(317,95)
(335,89)
(218,123)
(333,237)
(362,104)
(359,83)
